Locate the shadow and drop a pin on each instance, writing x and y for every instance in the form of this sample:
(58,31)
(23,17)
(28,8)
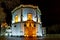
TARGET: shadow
(2,38)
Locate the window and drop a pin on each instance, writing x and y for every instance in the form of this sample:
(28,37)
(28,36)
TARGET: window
(34,25)
(25,25)
(29,10)
(16,18)
(14,25)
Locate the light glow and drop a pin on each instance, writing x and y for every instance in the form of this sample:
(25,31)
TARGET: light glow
(16,18)
(30,30)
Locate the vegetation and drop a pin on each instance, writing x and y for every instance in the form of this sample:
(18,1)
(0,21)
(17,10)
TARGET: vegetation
(54,29)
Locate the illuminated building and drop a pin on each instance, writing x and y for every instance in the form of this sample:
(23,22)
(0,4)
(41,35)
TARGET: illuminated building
(26,21)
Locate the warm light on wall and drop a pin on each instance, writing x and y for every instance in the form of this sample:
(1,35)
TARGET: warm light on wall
(30,29)
(32,24)
(29,16)
(16,18)
(27,24)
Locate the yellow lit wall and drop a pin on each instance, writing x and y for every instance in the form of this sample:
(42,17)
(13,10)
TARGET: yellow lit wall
(16,18)
(30,29)
(29,16)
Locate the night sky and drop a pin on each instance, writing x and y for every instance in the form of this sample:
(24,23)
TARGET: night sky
(49,9)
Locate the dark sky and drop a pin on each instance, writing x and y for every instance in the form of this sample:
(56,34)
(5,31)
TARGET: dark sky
(49,9)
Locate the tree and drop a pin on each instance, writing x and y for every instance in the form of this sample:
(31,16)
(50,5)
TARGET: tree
(54,29)
(2,16)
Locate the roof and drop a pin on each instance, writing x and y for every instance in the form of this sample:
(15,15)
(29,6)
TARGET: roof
(23,6)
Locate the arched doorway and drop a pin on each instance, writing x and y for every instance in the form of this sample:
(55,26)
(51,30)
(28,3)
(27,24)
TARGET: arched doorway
(29,26)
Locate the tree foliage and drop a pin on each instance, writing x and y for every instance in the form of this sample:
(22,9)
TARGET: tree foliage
(2,14)
(54,29)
